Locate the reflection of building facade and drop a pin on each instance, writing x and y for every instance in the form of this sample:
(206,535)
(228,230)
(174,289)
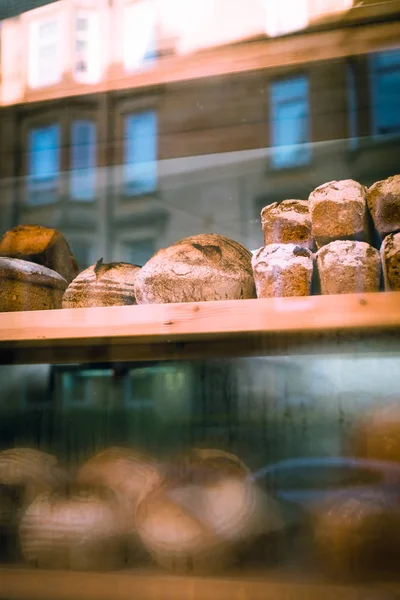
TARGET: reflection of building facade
(129,124)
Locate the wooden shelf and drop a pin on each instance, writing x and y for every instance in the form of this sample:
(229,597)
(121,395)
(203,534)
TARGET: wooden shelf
(193,330)
(31,584)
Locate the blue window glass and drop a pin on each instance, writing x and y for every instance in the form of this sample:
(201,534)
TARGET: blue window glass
(290,129)
(385,87)
(83,160)
(43,164)
(140,153)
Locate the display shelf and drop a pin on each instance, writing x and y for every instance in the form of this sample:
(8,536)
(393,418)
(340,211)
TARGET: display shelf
(31,584)
(191,330)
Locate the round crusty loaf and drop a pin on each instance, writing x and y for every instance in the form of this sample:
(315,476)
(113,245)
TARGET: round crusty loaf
(102,285)
(27,286)
(78,529)
(196,269)
(41,245)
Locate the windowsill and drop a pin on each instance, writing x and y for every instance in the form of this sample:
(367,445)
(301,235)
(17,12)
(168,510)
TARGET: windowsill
(290,167)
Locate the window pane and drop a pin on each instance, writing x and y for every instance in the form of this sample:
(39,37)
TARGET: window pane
(83,160)
(140,167)
(139,35)
(386,92)
(139,252)
(290,122)
(43,163)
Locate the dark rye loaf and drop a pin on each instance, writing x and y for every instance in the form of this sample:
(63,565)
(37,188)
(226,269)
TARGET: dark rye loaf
(101,284)
(40,245)
(27,286)
(196,269)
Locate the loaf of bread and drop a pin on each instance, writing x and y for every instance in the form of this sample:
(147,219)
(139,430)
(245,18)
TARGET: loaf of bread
(27,286)
(384,205)
(390,256)
(40,245)
(347,267)
(339,212)
(77,529)
(282,270)
(24,474)
(204,513)
(376,436)
(287,222)
(102,285)
(357,532)
(195,269)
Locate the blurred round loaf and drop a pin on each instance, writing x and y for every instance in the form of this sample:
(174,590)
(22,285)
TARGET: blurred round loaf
(384,205)
(198,268)
(376,436)
(283,270)
(390,256)
(287,222)
(78,529)
(204,513)
(358,532)
(101,284)
(348,267)
(127,472)
(40,245)
(339,211)
(27,286)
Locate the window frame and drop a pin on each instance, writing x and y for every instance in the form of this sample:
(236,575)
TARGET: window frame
(127,192)
(34,45)
(74,121)
(149,58)
(374,77)
(35,188)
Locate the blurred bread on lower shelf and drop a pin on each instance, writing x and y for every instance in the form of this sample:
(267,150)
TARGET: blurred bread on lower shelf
(78,529)
(28,286)
(282,270)
(390,256)
(102,284)
(376,435)
(348,267)
(40,245)
(204,514)
(358,533)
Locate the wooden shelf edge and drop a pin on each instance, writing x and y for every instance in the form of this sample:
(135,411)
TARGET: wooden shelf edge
(29,584)
(191,330)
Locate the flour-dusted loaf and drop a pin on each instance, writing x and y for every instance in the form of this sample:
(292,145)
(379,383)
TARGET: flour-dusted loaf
(41,245)
(347,267)
(198,268)
(27,286)
(390,256)
(384,205)
(287,222)
(102,284)
(339,212)
(282,270)
(78,529)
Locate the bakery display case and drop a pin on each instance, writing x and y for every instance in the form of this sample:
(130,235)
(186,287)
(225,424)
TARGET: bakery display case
(200,300)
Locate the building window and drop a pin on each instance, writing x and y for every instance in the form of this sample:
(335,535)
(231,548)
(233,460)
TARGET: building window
(83,160)
(385,87)
(140,153)
(290,128)
(43,164)
(139,251)
(285,16)
(87,47)
(44,54)
(139,43)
